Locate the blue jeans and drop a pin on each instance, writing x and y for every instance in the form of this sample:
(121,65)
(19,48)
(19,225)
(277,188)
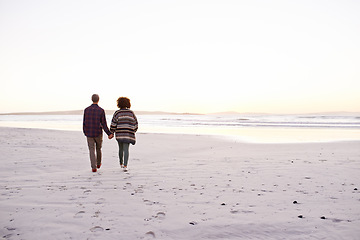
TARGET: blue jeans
(123,153)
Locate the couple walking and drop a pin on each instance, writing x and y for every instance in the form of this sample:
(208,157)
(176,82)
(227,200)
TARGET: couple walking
(124,124)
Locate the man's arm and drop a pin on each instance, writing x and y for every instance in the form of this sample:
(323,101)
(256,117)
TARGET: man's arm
(104,124)
(84,121)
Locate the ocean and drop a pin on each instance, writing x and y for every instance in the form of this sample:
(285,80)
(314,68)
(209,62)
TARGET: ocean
(259,128)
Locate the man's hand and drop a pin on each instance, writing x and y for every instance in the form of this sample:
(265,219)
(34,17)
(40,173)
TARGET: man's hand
(111,136)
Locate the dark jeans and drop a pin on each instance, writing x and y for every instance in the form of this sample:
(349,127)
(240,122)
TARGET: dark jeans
(123,153)
(95,144)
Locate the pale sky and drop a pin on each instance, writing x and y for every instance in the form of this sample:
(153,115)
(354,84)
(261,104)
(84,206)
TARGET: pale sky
(181,55)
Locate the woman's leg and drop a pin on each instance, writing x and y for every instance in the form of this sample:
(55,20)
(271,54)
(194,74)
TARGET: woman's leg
(121,150)
(126,153)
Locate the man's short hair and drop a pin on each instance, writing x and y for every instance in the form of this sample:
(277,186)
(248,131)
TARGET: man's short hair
(95,98)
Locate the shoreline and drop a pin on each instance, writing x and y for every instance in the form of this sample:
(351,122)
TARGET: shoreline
(268,135)
(263,129)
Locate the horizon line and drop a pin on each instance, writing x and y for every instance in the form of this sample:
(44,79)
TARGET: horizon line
(142,112)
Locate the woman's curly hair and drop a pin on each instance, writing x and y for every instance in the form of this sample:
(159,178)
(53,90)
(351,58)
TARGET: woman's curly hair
(123,102)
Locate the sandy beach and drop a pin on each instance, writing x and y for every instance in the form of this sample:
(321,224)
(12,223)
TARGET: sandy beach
(177,187)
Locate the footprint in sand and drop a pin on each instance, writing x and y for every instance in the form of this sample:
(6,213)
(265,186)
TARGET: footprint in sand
(160,215)
(148,202)
(98,183)
(139,190)
(96,229)
(79,214)
(150,233)
(100,201)
(247,211)
(127,185)
(96,215)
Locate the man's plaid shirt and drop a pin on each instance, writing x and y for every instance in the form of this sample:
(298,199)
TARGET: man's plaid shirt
(94,121)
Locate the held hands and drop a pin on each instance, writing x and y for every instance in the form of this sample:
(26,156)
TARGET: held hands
(111,136)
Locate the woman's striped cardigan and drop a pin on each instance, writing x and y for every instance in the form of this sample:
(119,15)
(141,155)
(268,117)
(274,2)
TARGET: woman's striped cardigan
(124,123)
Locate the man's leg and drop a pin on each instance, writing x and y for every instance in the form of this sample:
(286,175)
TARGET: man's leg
(98,141)
(91,145)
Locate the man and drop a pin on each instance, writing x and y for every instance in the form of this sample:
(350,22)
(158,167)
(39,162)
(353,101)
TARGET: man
(93,124)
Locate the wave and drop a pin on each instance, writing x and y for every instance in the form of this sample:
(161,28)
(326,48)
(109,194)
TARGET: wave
(235,121)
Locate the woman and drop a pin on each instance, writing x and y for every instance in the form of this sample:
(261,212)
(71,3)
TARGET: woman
(124,123)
